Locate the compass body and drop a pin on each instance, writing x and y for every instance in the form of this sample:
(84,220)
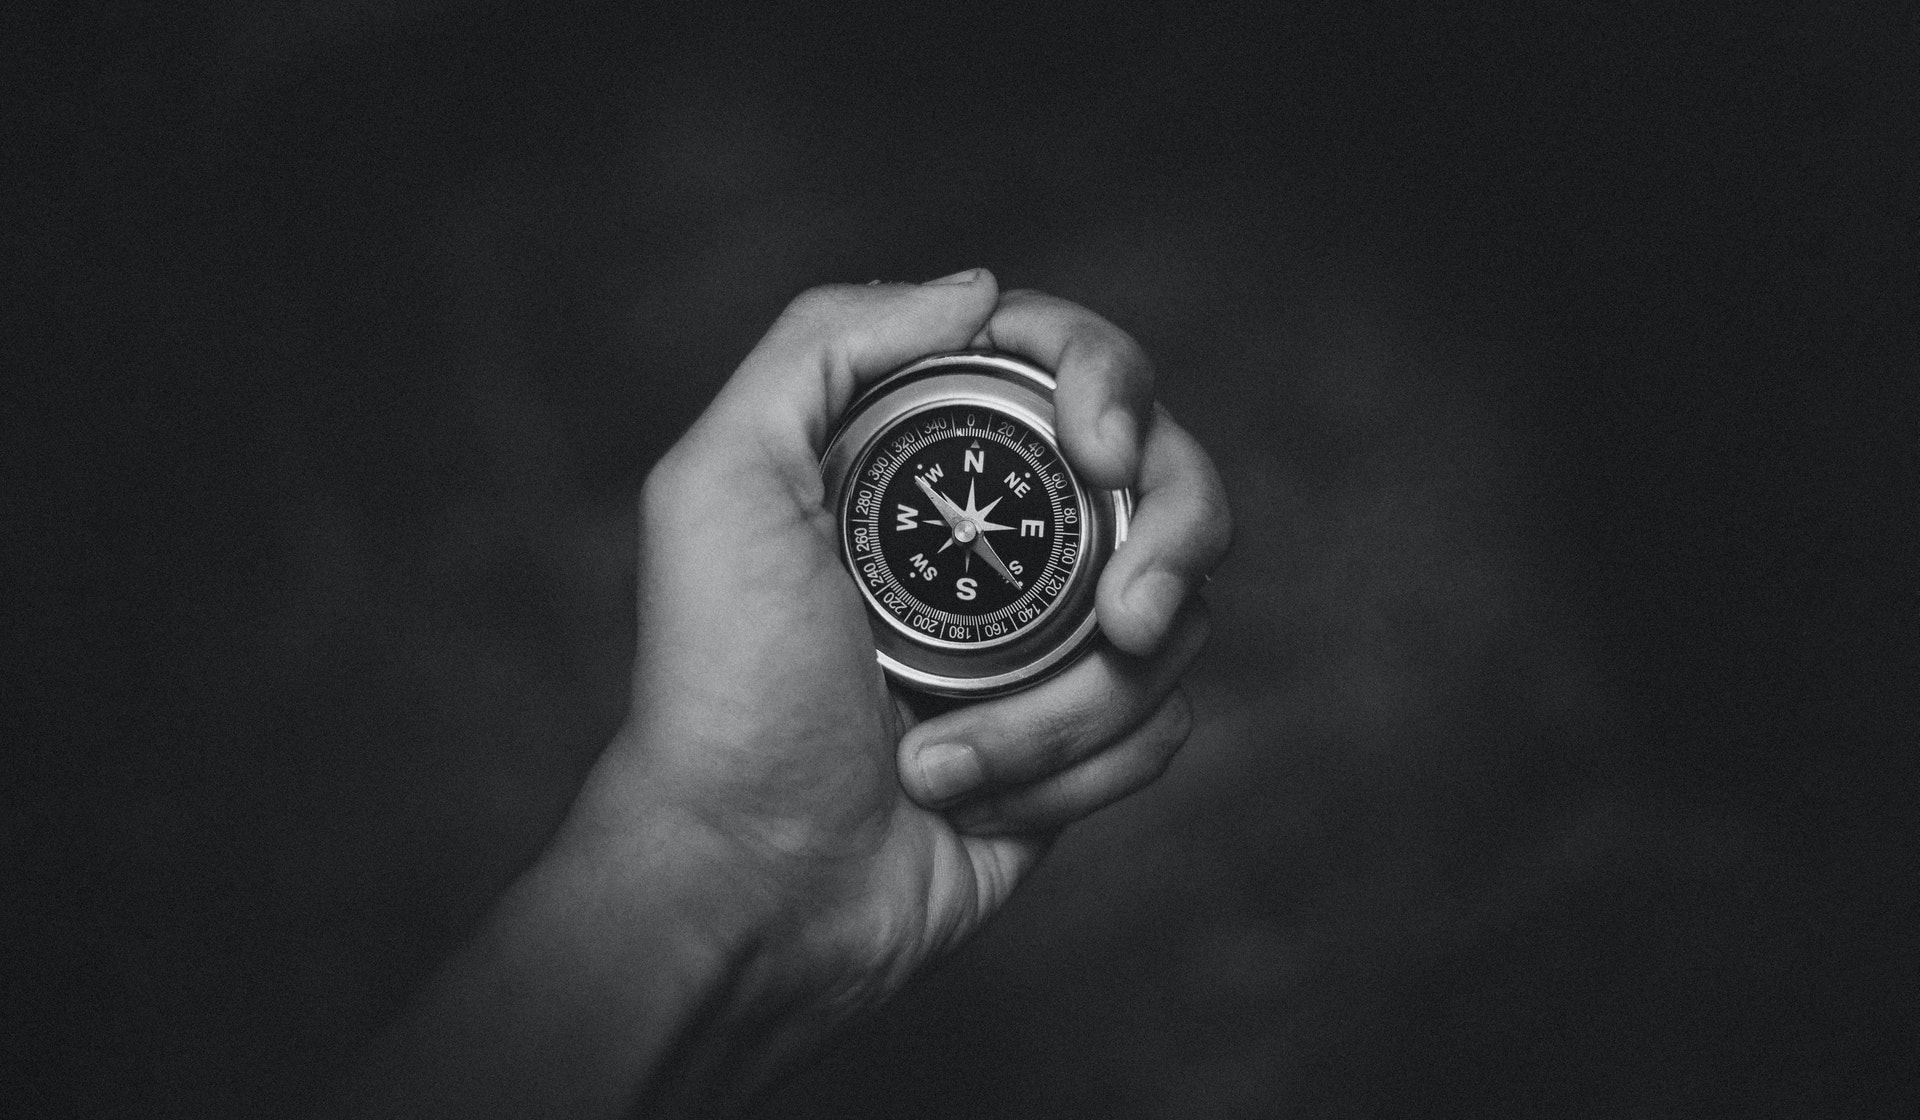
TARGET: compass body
(976,548)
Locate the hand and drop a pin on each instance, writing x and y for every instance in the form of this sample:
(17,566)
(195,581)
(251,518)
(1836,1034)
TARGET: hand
(774,841)
(757,699)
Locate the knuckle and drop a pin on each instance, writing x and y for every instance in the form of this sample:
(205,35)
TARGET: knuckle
(1161,742)
(824,304)
(1210,515)
(1133,357)
(1059,735)
(1149,763)
(1102,346)
(1155,767)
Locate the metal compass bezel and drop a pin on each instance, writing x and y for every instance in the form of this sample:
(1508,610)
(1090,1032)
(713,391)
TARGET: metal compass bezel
(1069,623)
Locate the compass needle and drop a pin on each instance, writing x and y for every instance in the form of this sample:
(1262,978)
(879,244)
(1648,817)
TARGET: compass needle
(986,552)
(910,441)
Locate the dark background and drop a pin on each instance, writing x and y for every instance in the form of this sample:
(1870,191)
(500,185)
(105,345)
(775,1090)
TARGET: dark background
(1556,750)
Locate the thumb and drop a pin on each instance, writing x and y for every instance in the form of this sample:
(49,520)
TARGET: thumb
(832,341)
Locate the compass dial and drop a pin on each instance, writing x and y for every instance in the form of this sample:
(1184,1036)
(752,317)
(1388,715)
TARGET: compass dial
(964,525)
(976,548)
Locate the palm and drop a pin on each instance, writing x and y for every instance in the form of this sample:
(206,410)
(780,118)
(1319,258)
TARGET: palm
(803,759)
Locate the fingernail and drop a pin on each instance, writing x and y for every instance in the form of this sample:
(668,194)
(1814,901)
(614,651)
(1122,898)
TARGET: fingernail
(967,277)
(1154,596)
(1117,432)
(948,770)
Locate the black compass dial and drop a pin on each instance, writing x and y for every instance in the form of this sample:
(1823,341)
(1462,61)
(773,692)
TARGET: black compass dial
(963,525)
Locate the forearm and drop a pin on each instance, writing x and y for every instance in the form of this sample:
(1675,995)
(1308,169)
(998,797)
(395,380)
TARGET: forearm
(586,990)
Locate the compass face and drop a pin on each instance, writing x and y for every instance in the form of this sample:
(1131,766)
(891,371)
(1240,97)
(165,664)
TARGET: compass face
(964,525)
(975,547)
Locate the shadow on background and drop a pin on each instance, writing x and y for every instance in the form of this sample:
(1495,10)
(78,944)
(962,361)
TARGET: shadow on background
(1556,749)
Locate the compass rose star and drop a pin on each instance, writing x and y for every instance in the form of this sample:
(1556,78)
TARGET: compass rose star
(970,526)
(979,516)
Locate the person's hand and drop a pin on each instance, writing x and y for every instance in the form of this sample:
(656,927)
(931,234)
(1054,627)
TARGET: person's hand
(760,715)
(773,826)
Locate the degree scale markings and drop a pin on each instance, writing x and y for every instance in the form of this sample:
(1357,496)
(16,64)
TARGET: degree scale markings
(901,557)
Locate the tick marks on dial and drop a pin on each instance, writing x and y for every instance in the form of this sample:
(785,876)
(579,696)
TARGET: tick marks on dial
(1017,527)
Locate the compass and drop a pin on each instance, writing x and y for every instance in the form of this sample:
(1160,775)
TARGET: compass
(976,548)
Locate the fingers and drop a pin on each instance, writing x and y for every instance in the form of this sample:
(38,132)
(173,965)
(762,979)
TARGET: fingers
(1180,532)
(832,340)
(1002,744)
(1104,396)
(1109,724)
(1080,790)
(1115,438)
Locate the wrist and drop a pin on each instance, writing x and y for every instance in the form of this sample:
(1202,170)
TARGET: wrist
(660,942)
(740,954)
(599,980)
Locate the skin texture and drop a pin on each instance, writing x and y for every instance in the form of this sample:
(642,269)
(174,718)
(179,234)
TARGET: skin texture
(774,841)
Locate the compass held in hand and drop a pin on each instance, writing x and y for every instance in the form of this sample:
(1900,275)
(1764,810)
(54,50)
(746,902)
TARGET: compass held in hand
(976,548)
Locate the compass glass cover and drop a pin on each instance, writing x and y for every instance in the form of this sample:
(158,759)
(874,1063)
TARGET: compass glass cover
(964,525)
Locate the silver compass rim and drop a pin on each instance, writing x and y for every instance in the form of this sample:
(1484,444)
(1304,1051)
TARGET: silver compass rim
(1046,645)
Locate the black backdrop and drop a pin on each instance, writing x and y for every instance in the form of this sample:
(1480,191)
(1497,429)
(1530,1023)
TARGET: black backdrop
(1556,748)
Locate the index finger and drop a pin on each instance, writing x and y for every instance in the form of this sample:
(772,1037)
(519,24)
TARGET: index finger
(1103,396)
(829,343)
